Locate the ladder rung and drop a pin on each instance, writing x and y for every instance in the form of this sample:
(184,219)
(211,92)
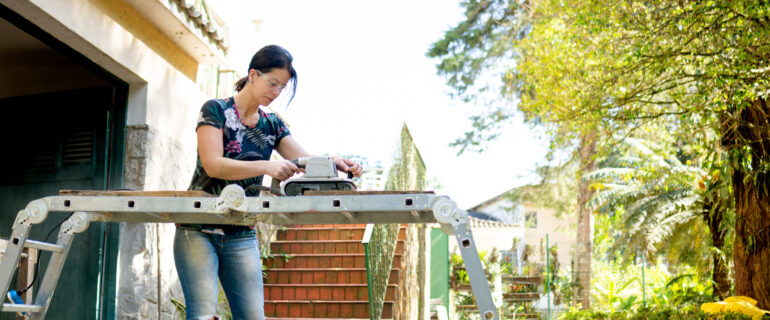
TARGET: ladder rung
(2,252)
(11,307)
(44,246)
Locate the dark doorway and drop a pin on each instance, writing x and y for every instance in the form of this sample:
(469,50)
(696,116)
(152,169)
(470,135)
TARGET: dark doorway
(63,128)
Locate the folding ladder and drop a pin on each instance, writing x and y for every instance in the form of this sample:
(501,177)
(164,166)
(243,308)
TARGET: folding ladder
(233,207)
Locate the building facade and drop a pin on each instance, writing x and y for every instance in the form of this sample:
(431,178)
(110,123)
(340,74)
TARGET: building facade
(532,223)
(105,94)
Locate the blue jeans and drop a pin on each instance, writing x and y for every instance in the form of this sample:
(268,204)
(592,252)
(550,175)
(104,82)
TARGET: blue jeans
(201,257)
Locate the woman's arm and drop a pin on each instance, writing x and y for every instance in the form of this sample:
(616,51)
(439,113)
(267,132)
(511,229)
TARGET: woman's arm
(210,150)
(290,149)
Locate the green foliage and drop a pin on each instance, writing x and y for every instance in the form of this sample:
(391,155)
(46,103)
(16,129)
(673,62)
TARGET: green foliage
(666,200)
(665,313)
(653,191)
(408,169)
(578,67)
(617,286)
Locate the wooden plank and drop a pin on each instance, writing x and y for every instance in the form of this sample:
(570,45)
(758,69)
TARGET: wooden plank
(358,193)
(125,193)
(26,275)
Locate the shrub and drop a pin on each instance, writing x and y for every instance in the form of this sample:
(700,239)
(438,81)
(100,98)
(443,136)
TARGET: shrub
(687,313)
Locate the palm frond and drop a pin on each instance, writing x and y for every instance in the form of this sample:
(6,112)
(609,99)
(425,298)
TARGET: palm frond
(664,229)
(615,174)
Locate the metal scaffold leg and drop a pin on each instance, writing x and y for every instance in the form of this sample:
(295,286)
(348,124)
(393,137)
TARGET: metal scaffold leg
(454,221)
(77,223)
(13,254)
(35,213)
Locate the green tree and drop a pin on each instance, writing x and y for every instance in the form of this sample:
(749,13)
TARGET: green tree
(485,43)
(604,68)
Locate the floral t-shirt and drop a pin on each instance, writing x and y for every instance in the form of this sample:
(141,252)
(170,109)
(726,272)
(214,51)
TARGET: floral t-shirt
(241,142)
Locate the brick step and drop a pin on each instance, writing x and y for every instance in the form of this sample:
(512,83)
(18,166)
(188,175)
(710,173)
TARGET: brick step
(322,246)
(337,232)
(323,309)
(323,276)
(323,292)
(320,260)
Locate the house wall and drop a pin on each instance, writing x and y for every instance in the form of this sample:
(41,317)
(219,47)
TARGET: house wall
(163,105)
(489,238)
(561,232)
(502,209)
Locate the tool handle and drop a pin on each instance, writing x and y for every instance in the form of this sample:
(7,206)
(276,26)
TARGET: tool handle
(297,163)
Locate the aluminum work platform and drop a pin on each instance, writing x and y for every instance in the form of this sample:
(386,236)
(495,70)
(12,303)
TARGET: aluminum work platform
(232,207)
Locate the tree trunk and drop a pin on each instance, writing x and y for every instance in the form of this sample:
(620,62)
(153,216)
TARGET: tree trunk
(749,138)
(583,249)
(713,215)
(751,247)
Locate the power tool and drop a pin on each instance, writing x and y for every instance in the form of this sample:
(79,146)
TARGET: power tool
(320,175)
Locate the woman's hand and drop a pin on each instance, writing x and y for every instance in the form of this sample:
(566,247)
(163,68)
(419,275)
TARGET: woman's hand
(348,166)
(281,169)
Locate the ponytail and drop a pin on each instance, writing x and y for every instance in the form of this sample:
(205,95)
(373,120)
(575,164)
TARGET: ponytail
(241,83)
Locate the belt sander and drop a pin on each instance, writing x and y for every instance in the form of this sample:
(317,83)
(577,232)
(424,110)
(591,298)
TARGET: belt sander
(320,175)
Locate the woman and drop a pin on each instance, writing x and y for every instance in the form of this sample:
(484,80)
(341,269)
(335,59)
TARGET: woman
(235,140)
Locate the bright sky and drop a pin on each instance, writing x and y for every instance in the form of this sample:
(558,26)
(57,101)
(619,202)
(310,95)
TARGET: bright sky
(363,72)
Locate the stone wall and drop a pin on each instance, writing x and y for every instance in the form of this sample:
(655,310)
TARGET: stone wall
(147,276)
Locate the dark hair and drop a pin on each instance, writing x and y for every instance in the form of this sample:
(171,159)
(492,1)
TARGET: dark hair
(267,59)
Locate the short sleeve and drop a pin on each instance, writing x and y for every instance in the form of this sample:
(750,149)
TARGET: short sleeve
(211,114)
(281,130)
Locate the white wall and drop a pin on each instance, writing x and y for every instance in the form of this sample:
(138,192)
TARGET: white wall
(560,231)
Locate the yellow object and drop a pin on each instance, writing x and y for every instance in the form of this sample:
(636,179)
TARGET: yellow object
(738,304)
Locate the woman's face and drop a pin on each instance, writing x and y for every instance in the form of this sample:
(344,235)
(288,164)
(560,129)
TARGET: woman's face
(268,85)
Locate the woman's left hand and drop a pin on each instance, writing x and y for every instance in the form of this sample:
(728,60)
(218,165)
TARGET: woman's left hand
(348,166)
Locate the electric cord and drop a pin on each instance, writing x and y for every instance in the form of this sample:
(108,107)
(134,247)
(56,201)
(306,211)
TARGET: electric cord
(37,261)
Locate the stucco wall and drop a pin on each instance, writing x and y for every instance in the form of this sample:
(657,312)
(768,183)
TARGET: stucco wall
(561,232)
(488,238)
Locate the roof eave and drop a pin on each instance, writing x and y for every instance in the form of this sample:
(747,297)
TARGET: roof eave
(185,24)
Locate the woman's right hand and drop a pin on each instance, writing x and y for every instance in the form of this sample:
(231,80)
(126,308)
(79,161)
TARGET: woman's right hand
(281,169)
